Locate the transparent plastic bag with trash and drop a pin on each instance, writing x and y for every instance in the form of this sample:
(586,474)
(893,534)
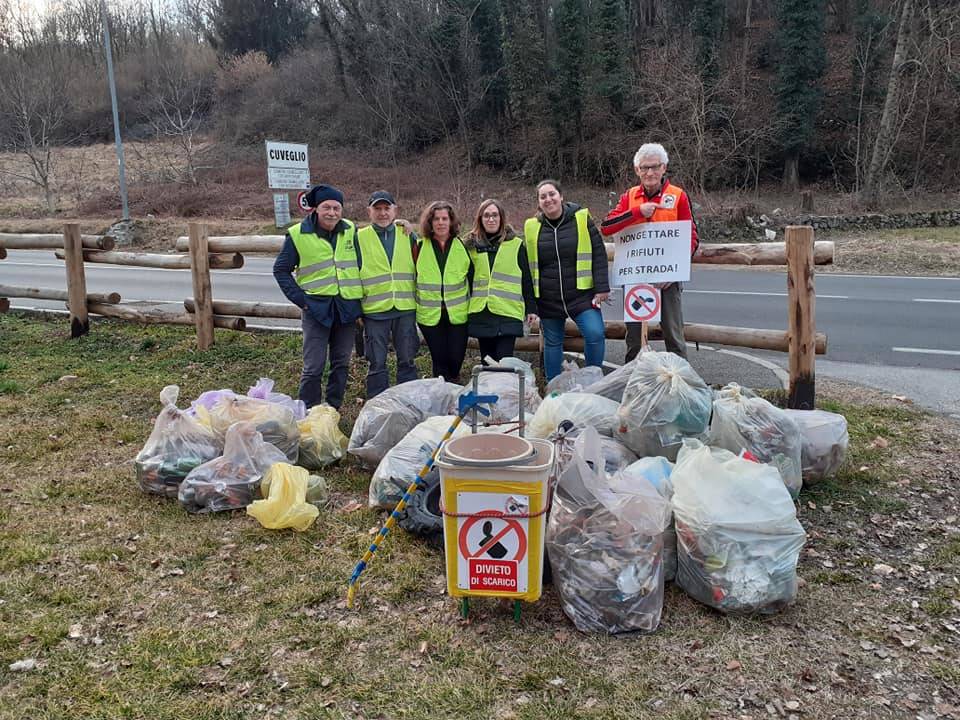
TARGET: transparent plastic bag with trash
(274,421)
(738,537)
(573,377)
(743,421)
(506,387)
(263,390)
(613,384)
(321,442)
(824,442)
(582,409)
(656,471)
(285,488)
(177,444)
(605,541)
(664,402)
(231,481)
(616,455)
(385,419)
(400,466)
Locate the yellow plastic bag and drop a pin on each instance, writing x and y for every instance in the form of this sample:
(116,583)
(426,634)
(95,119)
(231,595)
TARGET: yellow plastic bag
(286,505)
(321,442)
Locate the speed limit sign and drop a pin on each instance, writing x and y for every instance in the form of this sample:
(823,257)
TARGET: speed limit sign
(302,201)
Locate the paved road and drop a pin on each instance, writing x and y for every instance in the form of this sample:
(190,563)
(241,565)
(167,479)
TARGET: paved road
(878,321)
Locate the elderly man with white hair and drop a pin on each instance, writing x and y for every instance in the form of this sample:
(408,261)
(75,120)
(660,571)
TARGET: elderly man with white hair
(655,199)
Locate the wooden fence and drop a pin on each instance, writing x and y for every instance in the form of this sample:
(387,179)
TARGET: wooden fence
(200,253)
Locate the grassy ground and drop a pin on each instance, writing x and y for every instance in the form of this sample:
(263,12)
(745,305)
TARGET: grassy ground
(914,251)
(134,609)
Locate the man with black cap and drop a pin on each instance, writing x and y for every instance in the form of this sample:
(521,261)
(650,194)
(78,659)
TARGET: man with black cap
(385,255)
(317,271)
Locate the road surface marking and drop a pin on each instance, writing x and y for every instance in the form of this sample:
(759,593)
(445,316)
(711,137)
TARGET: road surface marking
(766,294)
(926,351)
(936,300)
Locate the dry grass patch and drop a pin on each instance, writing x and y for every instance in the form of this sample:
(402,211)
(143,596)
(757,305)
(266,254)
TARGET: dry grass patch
(133,608)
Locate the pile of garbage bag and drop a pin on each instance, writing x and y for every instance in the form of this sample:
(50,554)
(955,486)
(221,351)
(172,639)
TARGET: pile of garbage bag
(738,537)
(581,409)
(285,504)
(573,377)
(262,390)
(605,543)
(388,417)
(401,464)
(664,402)
(275,421)
(506,387)
(177,445)
(743,421)
(321,442)
(231,481)
(824,442)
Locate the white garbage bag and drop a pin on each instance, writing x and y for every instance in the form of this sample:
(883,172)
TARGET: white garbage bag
(506,387)
(664,402)
(605,541)
(574,377)
(582,409)
(738,537)
(402,463)
(612,385)
(743,421)
(825,442)
(385,419)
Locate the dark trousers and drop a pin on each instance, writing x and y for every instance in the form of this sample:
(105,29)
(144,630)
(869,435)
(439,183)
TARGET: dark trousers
(319,344)
(448,345)
(377,336)
(497,347)
(671,325)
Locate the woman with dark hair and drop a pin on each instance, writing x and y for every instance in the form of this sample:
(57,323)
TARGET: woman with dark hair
(443,276)
(568,263)
(502,291)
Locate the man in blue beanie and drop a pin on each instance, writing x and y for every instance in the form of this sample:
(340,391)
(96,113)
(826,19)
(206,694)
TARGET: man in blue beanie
(317,271)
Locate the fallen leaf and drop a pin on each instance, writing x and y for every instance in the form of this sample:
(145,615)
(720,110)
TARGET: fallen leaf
(423,647)
(557,682)
(351,507)
(883,569)
(75,631)
(23,665)
(880,442)
(734,665)
(792,705)
(225,661)
(901,398)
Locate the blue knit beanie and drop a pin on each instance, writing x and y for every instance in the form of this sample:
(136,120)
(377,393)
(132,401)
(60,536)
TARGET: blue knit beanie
(320,193)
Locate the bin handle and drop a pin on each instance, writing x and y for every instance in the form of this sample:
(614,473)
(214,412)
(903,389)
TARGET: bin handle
(477,369)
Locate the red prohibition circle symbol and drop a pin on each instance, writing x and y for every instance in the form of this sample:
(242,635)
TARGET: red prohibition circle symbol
(302,201)
(642,302)
(512,526)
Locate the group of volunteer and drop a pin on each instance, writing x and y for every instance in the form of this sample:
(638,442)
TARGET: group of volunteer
(484,282)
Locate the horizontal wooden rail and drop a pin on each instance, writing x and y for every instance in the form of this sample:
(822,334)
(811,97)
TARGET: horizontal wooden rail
(156,260)
(250,309)
(54,294)
(162,317)
(50,241)
(237,243)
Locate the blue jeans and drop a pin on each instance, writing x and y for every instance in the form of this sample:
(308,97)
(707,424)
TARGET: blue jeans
(591,327)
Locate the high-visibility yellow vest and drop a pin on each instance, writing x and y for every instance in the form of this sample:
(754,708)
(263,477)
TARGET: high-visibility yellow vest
(531,233)
(324,270)
(386,285)
(499,290)
(434,291)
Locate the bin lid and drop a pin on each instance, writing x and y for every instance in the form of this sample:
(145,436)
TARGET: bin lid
(489,450)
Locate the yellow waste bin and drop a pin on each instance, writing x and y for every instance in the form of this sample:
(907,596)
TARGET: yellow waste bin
(494,492)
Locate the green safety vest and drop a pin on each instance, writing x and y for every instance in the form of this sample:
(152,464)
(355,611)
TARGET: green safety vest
(451,290)
(531,233)
(386,286)
(324,270)
(500,291)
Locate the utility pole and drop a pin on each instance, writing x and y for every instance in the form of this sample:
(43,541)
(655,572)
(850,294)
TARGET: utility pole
(116,115)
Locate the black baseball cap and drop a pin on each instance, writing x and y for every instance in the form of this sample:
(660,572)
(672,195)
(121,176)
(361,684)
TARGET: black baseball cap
(381,196)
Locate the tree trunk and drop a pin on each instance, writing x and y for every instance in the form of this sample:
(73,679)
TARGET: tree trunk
(791,171)
(888,119)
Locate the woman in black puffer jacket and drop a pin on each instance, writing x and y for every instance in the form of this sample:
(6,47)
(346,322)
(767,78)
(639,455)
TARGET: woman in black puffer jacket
(568,262)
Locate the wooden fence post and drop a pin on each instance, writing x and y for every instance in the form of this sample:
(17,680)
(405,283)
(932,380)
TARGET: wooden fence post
(76,280)
(801,328)
(202,294)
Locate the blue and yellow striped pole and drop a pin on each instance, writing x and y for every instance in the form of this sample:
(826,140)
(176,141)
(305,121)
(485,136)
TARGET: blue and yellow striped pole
(467,402)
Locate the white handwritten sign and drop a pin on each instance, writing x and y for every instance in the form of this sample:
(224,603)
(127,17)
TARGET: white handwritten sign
(653,252)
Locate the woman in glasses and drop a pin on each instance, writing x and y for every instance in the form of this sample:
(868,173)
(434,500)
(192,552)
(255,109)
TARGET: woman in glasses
(502,294)
(568,264)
